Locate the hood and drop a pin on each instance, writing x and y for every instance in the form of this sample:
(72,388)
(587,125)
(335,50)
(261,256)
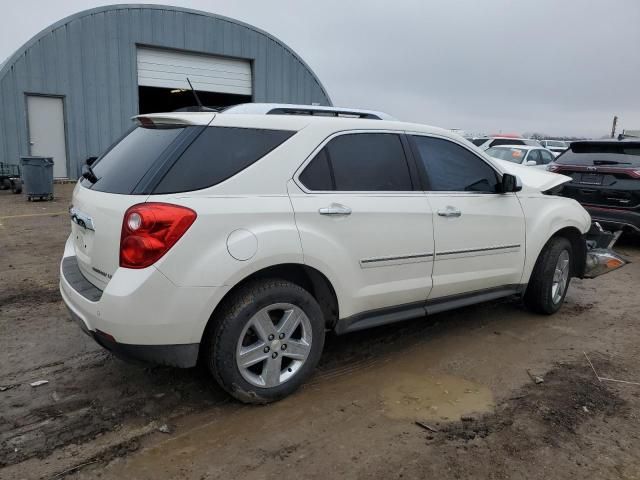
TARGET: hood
(533,179)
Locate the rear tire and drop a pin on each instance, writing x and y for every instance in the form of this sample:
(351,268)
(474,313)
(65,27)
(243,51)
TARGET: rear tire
(550,277)
(266,341)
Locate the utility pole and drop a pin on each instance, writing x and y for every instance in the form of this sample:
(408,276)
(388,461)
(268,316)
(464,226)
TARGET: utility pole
(613,127)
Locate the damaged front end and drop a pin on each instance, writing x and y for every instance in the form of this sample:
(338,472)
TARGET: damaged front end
(600,257)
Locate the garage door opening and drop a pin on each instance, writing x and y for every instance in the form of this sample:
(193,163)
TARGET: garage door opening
(163,87)
(156,99)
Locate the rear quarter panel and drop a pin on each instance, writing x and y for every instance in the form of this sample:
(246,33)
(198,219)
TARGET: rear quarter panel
(203,256)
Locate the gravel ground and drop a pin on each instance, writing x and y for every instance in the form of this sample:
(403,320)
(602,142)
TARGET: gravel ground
(490,391)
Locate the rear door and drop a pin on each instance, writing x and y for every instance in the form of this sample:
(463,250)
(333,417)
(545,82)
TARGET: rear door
(363,218)
(479,234)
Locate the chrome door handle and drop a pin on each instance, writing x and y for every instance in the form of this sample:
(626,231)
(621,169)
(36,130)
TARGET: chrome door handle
(335,209)
(449,212)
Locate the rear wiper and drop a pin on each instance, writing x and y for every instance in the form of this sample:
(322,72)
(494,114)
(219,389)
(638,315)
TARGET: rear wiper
(610,162)
(87,172)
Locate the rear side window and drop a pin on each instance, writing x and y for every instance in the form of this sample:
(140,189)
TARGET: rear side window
(317,176)
(218,154)
(452,168)
(360,162)
(121,168)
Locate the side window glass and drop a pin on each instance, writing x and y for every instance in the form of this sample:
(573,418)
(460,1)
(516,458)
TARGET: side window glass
(317,175)
(546,157)
(362,162)
(452,168)
(535,156)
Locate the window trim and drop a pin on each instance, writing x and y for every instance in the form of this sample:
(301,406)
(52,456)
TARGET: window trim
(408,154)
(426,183)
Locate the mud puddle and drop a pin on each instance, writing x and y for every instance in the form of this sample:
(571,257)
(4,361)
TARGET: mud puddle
(429,397)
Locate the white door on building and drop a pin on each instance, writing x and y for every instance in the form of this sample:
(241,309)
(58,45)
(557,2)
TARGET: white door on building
(46,131)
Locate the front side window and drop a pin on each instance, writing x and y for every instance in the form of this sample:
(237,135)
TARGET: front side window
(360,162)
(534,155)
(546,157)
(452,168)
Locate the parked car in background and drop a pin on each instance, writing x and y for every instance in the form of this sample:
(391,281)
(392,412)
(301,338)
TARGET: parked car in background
(605,179)
(487,142)
(523,154)
(238,239)
(556,146)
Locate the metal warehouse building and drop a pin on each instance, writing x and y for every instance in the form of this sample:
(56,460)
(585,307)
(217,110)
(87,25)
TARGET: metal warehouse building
(71,90)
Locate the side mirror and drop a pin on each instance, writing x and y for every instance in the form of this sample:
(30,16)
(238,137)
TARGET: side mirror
(530,163)
(510,183)
(91,160)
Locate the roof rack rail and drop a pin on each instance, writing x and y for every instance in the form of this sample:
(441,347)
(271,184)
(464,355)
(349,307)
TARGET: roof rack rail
(313,110)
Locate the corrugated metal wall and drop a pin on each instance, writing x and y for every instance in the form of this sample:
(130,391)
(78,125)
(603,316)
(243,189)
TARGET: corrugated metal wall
(90,60)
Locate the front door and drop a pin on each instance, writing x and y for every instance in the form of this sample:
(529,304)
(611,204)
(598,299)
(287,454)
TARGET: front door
(46,131)
(479,234)
(363,219)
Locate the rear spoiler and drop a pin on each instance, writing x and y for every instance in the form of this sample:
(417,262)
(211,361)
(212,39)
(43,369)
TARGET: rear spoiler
(174,119)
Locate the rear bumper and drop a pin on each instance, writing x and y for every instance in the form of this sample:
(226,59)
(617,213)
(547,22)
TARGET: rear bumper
(182,356)
(614,218)
(140,315)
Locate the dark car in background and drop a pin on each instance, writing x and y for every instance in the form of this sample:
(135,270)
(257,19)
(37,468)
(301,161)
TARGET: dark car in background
(606,180)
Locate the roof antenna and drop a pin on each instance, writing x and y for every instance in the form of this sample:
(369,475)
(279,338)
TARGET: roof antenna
(200,106)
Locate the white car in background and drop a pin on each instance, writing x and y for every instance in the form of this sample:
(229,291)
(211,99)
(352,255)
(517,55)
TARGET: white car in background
(484,143)
(556,146)
(238,239)
(523,154)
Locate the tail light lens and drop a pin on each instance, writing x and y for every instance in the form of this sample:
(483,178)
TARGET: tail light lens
(553,168)
(149,230)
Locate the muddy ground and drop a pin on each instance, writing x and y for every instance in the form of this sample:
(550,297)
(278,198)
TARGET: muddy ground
(490,391)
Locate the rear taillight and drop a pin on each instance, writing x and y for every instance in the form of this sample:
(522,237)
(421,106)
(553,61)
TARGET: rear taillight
(149,230)
(553,168)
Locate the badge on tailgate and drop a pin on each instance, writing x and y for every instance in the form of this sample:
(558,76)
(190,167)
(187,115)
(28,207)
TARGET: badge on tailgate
(81,219)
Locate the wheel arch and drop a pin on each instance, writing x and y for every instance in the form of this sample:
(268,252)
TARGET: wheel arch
(578,247)
(309,278)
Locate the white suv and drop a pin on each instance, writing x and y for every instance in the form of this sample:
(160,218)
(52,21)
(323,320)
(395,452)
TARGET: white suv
(240,238)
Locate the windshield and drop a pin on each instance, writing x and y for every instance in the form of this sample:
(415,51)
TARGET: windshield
(625,154)
(510,154)
(478,141)
(556,143)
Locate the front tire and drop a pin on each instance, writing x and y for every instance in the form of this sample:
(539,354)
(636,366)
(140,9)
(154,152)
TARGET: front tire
(266,341)
(550,277)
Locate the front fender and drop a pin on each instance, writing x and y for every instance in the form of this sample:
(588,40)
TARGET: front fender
(546,215)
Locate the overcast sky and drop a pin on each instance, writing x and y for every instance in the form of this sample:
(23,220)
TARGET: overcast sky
(559,67)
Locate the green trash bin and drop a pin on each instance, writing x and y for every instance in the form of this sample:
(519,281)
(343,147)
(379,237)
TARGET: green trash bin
(37,177)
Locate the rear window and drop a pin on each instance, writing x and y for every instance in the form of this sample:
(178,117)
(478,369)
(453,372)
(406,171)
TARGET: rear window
(218,154)
(506,141)
(121,168)
(582,153)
